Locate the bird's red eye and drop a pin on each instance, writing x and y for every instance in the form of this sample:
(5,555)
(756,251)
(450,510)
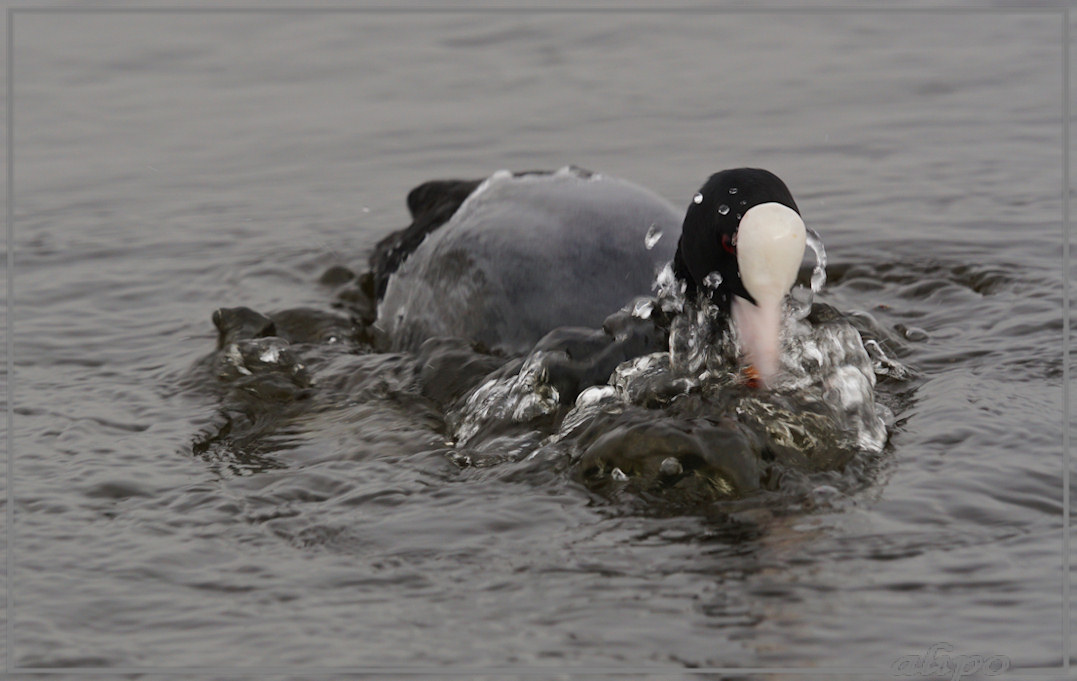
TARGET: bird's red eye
(728,245)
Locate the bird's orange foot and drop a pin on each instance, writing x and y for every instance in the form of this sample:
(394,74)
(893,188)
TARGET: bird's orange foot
(752,379)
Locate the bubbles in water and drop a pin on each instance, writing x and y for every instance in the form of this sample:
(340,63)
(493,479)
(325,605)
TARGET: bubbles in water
(818,274)
(268,355)
(830,365)
(596,394)
(698,198)
(515,399)
(847,383)
(670,466)
(915,334)
(643,308)
(882,364)
(723,209)
(669,290)
(652,236)
(800,298)
(712,280)
(633,376)
(597,399)
(800,302)
(664,279)
(732,190)
(234,356)
(700,340)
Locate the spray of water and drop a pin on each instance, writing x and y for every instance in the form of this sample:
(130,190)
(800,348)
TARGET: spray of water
(801,298)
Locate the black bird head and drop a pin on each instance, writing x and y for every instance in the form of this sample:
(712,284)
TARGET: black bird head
(710,230)
(741,245)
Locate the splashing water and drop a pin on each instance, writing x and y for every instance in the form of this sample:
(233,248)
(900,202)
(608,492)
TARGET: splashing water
(259,355)
(822,405)
(598,399)
(700,340)
(712,280)
(800,298)
(654,234)
(643,308)
(669,290)
(520,398)
(827,364)
(818,275)
(881,363)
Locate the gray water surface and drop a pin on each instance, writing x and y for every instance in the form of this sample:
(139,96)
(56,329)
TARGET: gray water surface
(167,165)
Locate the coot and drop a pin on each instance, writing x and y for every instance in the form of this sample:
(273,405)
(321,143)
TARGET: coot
(505,260)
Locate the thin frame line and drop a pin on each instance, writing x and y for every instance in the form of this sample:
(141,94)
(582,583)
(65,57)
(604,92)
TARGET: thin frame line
(9,349)
(457,671)
(1015,8)
(9,666)
(451,671)
(1065,340)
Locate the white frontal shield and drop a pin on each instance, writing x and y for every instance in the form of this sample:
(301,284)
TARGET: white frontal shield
(770,245)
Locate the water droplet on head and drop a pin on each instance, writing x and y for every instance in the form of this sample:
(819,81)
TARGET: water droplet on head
(652,236)
(712,280)
(698,198)
(723,209)
(670,466)
(732,190)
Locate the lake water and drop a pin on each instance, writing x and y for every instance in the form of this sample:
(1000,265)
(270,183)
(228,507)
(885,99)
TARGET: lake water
(166,165)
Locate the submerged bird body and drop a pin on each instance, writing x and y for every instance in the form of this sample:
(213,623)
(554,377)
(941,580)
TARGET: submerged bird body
(523,255)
